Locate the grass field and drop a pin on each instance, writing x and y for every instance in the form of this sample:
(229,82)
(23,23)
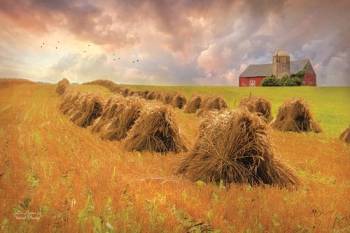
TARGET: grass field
(330,105)
(75,182)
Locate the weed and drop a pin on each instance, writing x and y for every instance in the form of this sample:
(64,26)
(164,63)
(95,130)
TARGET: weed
(37,138)
(33,179)
(5,225)
(127,216)
(156,218)
(87,211)
(190,224)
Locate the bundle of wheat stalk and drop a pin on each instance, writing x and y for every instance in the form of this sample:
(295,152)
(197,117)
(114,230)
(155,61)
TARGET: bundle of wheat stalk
(211,103)
(143,94)
(155,130)
(62,86)
(167,98)
(136,93)
(159,96)
(234,147)
(127,112)
(294,115)
(125,92)
(258,105)
(110,110)
(151,95)
(178,101)
(193,105)
(345,135)
(85,110)
(69,102)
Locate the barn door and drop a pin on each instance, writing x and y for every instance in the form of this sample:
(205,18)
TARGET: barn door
(252,82)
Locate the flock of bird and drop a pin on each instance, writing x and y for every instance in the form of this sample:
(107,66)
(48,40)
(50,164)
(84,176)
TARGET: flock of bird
(115,58)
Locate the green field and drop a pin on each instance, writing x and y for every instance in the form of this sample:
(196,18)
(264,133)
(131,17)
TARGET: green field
(330,105)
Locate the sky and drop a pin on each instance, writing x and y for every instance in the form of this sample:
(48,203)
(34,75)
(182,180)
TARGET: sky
(166,42)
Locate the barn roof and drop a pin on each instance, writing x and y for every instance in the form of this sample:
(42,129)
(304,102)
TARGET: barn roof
(257,70)
(298,65)
(266,69)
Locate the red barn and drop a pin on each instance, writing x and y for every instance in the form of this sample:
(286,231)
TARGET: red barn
(254,74)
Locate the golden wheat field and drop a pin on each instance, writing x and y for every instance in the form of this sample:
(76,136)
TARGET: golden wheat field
(58,177)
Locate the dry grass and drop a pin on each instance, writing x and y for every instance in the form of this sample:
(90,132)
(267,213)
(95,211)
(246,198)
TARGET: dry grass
(7,82)
(234,147)
(295,115)
(155,130)
(80,183)
(258,105)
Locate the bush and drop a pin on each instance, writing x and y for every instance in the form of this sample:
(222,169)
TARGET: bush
(293,80)
(271,81)
(290,81)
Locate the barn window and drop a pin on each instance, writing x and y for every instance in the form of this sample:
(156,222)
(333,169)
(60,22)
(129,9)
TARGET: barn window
(252,82)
